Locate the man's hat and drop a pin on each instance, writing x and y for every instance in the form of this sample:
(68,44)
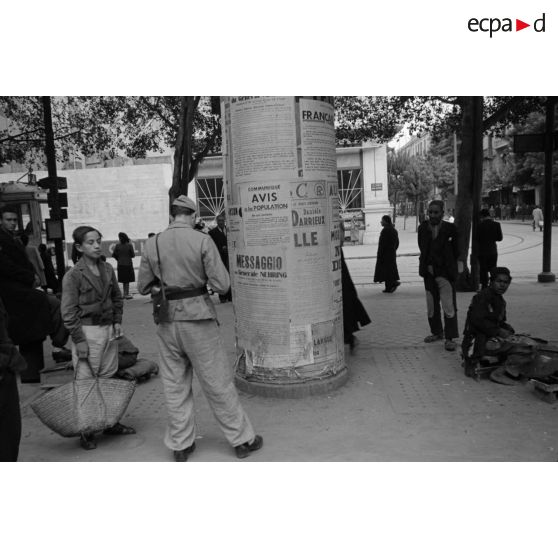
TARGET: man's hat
(185,201)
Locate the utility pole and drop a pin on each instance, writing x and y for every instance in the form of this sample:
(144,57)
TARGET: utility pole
(55,212)
(547,276)
(455,173)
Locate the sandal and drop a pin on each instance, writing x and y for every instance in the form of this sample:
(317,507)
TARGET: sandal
(119,430)
(87,441)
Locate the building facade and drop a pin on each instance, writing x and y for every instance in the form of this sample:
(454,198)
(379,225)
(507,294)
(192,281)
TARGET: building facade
(132,195)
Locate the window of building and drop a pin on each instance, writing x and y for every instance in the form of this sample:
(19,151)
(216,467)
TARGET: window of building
(350,189)
(210,196)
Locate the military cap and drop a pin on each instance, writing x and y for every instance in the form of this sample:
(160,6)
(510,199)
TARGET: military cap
(185,201)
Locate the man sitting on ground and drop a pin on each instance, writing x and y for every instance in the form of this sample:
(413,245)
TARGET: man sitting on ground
(488,336)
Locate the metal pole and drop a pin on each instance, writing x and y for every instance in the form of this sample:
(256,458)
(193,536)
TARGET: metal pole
(547,276)
(455,163)
(53,184)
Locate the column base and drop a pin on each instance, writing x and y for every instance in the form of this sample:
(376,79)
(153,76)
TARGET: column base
(294,390)
(546,277)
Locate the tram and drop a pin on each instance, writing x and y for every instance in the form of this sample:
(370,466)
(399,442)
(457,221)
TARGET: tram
(26,199)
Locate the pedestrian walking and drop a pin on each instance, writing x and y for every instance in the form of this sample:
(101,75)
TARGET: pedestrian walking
(180,262)
(538,218)
(124,255)
(488,233)
(386,263)
(219,236)
(92,312)
(438,266)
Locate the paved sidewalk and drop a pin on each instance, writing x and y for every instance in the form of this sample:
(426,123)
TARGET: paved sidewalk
(404,401)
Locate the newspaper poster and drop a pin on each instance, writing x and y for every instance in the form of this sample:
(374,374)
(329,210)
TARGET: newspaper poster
(235,228)
(302,349)
(260,280)
(336,233)
(263,137)
(310,255)
(317,122)
(324,341)
(265,213)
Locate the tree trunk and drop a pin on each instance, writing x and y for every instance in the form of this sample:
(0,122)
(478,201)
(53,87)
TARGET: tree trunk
(174,190)
(183,148)
(477,187)
(464,203)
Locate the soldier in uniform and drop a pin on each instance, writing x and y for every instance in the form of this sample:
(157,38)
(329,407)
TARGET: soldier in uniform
(186,260)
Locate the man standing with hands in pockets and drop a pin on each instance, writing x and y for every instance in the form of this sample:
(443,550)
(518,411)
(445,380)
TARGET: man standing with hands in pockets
(438,266)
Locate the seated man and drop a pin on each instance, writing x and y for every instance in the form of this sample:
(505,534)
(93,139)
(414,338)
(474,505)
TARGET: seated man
(487,334)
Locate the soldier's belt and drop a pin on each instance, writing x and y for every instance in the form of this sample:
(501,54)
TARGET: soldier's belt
(174,293)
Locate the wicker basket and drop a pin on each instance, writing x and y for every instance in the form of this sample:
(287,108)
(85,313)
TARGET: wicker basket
(84,406)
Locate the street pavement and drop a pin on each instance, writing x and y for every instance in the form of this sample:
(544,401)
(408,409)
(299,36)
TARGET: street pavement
(404,400)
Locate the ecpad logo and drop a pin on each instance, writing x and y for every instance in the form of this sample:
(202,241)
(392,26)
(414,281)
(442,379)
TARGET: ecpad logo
(494,24)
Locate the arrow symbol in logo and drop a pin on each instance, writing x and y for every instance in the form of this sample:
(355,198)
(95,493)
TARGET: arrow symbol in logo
(519,25)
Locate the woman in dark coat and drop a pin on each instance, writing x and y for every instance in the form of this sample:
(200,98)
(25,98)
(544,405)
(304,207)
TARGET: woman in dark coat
(386,264)
(124,253)
(354,313)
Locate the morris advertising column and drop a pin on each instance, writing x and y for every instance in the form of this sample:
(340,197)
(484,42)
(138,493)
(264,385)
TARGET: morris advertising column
(284,243)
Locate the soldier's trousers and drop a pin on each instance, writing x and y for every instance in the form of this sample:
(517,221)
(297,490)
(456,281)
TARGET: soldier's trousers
(188,346)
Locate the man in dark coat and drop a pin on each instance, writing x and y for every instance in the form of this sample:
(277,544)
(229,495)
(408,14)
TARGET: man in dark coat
(33,314)
(488,233)
(219,236)
(438,267)
(11,362)
(386,264)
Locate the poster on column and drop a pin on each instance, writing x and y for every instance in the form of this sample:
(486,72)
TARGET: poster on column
(318,139)
(335,244)
(310,253)
(235,228)
(265,213)
(263,138)
(259,278)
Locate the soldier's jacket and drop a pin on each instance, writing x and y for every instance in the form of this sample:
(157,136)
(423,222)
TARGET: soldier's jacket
(190,260)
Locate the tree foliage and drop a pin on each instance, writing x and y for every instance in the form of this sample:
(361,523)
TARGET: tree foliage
(359,119)
(109,127)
